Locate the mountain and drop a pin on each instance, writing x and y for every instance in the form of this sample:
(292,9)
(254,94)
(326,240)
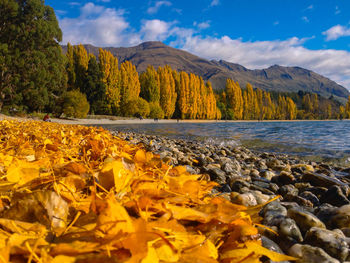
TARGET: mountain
(274,78)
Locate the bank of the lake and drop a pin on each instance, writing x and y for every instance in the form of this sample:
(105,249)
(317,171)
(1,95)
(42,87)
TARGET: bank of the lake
(312,215)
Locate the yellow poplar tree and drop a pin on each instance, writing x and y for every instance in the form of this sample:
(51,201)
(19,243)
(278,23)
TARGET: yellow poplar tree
(81,62)
(183,95)
(110,77)
(291,109)
(167,91)
(347,109)
(129,84)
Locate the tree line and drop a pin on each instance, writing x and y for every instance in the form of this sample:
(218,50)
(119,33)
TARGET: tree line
(36,76)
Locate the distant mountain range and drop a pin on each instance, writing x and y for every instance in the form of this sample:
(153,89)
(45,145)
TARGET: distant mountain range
(274,78)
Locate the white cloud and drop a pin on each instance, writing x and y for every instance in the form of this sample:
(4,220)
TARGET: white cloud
(99,26)
(334,64)
(336,32)
(305,19)
(155,30)
(215,2)
(157,5)
(202,25)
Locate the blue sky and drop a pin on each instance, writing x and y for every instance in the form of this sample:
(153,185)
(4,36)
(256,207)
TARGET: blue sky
(313,34)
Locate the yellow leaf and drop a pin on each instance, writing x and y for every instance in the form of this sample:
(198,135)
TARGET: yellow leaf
(140,156)
(22,172)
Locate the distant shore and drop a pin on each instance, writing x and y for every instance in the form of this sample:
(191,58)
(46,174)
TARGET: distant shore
(122,120)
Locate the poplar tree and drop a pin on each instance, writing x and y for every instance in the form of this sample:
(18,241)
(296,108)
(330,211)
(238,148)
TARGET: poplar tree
(167,91)
(129,84)
(108,65)
(81,62)
(149,82)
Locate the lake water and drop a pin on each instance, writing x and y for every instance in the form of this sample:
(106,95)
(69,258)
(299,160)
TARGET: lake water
(314,140)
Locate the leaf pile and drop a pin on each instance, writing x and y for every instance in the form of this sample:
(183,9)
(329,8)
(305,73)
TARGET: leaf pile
(79,194)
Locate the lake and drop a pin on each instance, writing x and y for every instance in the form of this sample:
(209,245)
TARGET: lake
(314,140)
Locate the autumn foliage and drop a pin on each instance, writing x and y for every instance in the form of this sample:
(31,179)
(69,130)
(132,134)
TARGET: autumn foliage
(79,194)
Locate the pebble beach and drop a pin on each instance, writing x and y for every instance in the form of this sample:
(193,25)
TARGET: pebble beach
(311,218)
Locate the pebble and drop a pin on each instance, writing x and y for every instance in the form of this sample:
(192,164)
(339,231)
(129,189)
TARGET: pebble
(305,219)
(309,254)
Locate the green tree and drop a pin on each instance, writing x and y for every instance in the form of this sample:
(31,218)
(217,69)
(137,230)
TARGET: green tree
(95,89)
(32,66)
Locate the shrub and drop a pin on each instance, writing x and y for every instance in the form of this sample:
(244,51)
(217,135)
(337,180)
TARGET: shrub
(137,108)
(74,104)
(156,111)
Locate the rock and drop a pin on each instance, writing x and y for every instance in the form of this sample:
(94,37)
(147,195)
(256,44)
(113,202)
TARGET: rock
(217,175)
(321,180)
(341,217)
(254,173)
(225,188)
(260,197)
(305,219)
(238,184)
(288,189)
(309,254)
(289,228)
(335,196)
(304,167)
(246,199)
(311,197)
(298,199)
(283,178)
(269,244)
(325,212)
(267,174)
(332,242)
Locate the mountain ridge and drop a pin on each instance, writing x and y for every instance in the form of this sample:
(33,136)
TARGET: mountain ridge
(273,78)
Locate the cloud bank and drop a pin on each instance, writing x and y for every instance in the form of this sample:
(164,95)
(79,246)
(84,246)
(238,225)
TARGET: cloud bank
(103,27)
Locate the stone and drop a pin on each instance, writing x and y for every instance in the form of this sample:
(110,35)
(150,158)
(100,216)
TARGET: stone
(332,242)
(311,197)
(246,199)
(217,175)
(267,174)
(260,197)
(289,228)
(335,196)
(298,199)
(304,219)
(320,180)
(271,245)
(341,217)
(283,178)
(288,189)
(238,184)
(309,254)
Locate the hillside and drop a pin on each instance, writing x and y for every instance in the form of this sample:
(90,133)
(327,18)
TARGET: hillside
(276,78)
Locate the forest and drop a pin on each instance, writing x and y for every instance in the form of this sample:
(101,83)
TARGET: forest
(35,76)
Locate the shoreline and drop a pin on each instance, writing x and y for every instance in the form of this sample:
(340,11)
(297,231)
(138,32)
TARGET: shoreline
(311,216)
(106,121)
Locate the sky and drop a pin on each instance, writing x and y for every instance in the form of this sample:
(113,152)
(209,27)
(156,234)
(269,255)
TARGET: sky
(313,34)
